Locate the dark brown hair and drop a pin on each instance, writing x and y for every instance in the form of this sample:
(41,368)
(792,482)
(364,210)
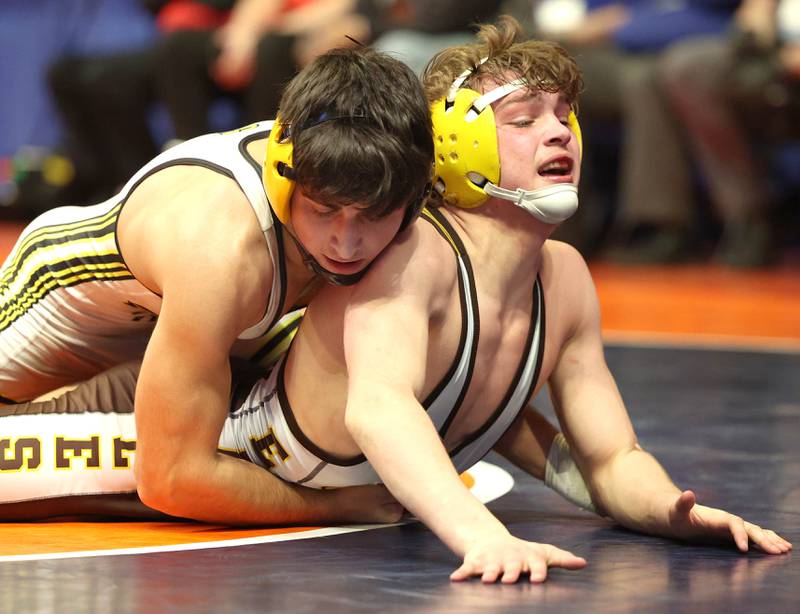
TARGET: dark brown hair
(360,128)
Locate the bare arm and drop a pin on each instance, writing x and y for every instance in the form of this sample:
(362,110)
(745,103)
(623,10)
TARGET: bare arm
(527,442)
(626,481)
(535,446)
(386,339)
(210,295)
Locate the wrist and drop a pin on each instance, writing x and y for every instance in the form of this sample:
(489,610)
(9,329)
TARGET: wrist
(471,534)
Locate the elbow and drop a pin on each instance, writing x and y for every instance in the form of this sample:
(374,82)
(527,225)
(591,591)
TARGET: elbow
(603,477)
(354,422)
(359,418)
(160,488)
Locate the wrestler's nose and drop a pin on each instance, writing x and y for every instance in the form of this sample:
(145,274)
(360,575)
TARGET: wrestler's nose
(346,237)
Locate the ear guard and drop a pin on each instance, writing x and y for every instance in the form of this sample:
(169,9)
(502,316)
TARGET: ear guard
(277,175)
(467,159)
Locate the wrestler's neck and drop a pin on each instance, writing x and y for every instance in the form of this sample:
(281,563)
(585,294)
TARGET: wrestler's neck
(301,281)
(504,234)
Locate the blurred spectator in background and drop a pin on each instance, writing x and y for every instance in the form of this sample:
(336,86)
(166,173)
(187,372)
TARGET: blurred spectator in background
(415,30)
(618,44)
(735,92)
(34,33)
(106,101)
(249,57)
(265,42)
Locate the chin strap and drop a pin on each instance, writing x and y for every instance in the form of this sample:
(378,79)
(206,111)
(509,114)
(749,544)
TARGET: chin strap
(551,205)
(337,279)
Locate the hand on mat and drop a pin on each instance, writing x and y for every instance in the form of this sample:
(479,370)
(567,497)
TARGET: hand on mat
(371,504)
(698,522)
(507,557)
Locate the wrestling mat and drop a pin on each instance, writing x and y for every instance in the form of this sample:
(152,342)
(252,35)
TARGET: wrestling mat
(59,540)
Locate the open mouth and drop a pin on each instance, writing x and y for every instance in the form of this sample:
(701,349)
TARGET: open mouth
(558,168)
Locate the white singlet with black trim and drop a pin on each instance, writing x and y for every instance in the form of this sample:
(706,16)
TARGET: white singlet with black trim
(264,431)
(69,306)
(79,449)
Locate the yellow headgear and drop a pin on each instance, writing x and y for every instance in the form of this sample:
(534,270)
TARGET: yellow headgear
(465,142)
(277,174)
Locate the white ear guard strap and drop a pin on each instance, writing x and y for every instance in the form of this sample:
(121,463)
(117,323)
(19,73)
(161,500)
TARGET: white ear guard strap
(497,93)
(451,95)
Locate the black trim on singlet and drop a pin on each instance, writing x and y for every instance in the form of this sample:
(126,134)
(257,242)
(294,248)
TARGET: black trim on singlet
(258,168)
(276,340)
(536,313)
(45,278)
(48,269)
(295,429)
(282,308)
(461,252)
(314,472)
(160,167)
(23,302)
(240,454)
(276,223)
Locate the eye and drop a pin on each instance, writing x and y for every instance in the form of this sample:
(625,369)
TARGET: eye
(323,211)
(369,214)
(523,123)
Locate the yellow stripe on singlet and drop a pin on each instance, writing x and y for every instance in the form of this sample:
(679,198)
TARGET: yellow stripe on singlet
(289,321)
(18,297)
(442,229)
(57,231)
(9,315)
(85,247)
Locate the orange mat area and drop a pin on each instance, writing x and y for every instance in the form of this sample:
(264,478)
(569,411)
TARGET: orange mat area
(60,537)
(8,236)
(54,537)
(701,300)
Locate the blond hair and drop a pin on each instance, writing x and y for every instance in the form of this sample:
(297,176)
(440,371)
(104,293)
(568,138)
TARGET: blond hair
(544,65)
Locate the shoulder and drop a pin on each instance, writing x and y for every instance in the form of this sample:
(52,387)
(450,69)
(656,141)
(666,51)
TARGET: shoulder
(188,202)
(192,223)
(418,265)
(564,267)
(569,290)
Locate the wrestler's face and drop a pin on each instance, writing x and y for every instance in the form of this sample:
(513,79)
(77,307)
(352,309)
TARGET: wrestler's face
(537,147)
(342,239)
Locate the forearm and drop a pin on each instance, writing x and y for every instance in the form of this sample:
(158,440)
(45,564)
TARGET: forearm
(527,442)
(535,446)
(635,490)
(405,450)
(227,490)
